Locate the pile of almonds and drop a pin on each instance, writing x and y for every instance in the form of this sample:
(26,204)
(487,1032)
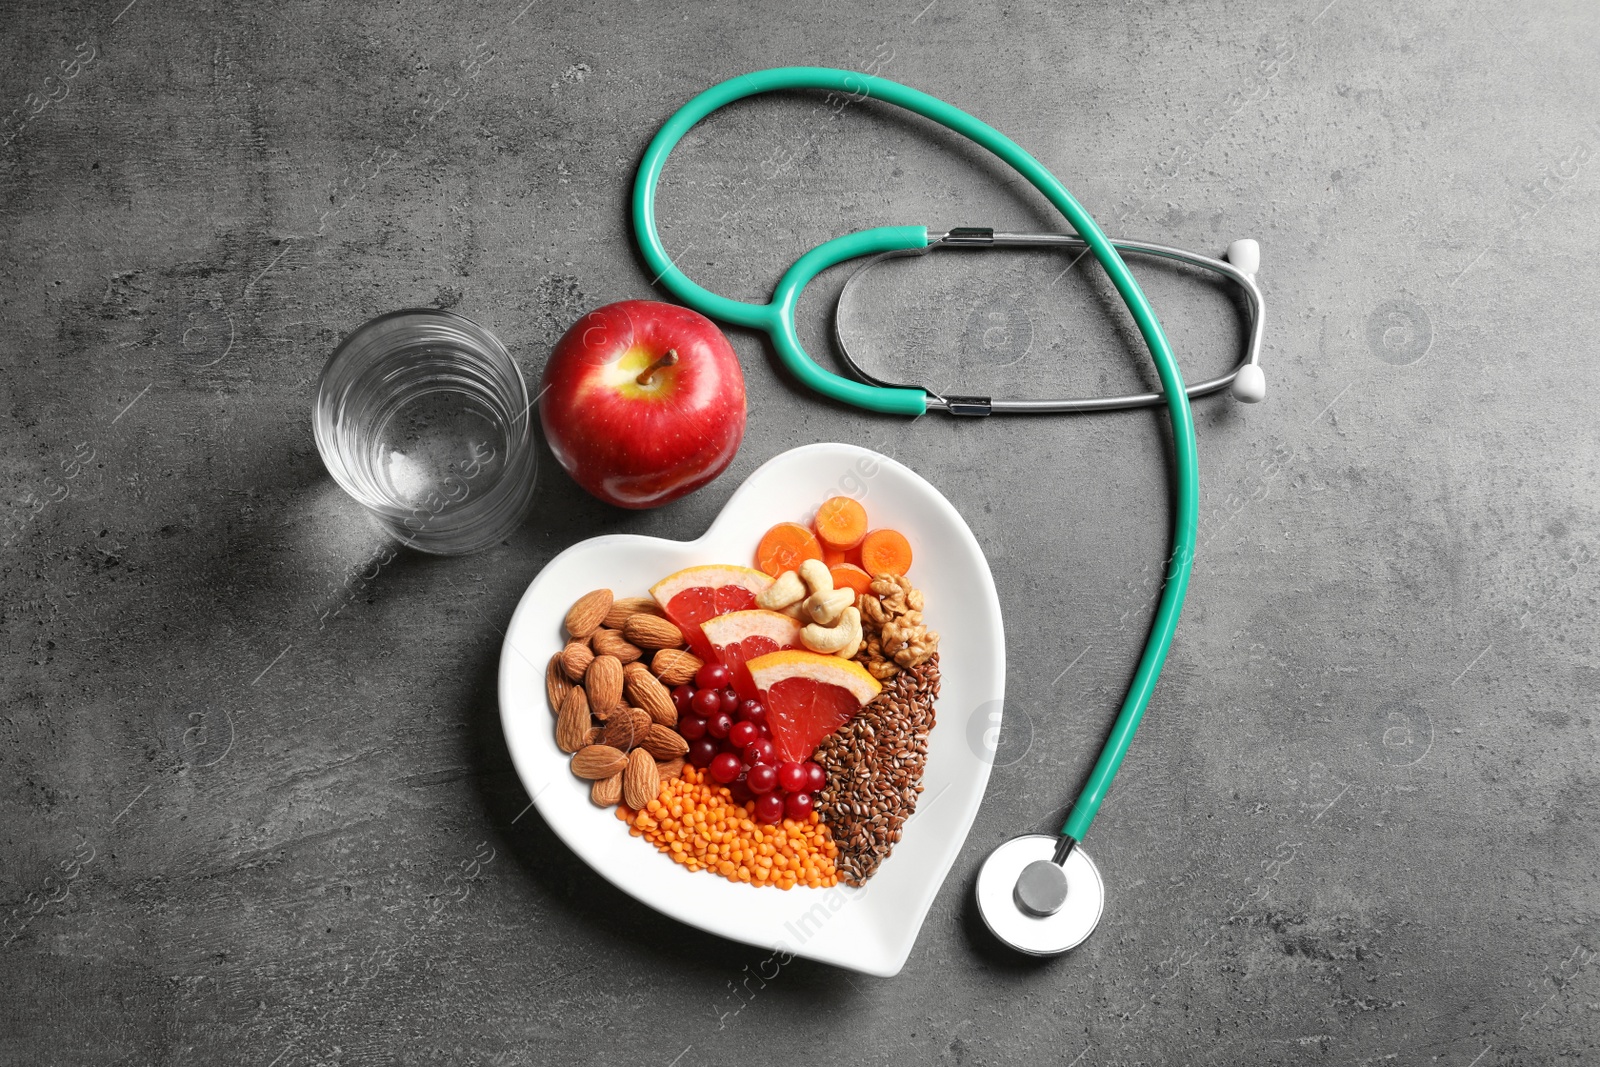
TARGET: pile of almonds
(609,691)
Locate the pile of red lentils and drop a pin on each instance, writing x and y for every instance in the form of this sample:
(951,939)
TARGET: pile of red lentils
(699,824)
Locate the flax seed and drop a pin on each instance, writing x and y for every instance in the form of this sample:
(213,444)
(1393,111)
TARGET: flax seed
(875,764)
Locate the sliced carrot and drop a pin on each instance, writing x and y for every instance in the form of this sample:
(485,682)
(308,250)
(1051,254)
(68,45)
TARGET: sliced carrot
(785,547)
(885,552)
(841,522)
(833,557)
(849,576)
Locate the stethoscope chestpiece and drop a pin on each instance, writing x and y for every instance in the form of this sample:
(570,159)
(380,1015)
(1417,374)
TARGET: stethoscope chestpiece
(1034,906)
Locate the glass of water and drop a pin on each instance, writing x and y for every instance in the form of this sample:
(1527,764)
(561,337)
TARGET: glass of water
(423,417)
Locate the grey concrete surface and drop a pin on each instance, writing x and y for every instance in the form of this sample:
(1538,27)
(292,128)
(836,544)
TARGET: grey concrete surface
(243,769)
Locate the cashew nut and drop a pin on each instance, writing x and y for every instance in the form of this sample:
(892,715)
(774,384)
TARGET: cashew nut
(787,590)
(825,602)
(852,619)
(842,638)
(816,575)
(825,608)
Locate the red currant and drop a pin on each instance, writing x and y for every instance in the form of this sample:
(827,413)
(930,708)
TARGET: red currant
(707,702)
(692,727)
(797,807)
(769,808)
(739,789)
(730,700)
(742,733)
(763,777)
(792,776)
(681,696)
(719,724)
(725,767)
(816,777)
(702,751)
(762,751)
(753,711)
(713,676)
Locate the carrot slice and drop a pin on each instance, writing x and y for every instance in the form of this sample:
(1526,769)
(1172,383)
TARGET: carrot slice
(785,547)
(834,556)
(841,522)
(849,576)
(885,552)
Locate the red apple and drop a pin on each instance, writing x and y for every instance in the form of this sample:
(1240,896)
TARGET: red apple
(643,402)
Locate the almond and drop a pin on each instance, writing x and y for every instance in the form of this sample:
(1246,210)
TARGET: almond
(588,613)
(628,606)
(603,680)
(627,728)
(663,742)
(592,736)
(674,666)
(636,667)
(651,631)
(556,684)
(606,791)
(575,660)
(672,768)
(572,724)
(611,643)
(599,761)
(644,691)
(640,781)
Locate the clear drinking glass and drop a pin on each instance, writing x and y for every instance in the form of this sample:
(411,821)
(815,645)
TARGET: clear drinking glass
(423,417)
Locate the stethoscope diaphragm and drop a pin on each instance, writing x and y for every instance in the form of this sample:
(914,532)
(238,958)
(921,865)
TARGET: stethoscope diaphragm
(1013,891)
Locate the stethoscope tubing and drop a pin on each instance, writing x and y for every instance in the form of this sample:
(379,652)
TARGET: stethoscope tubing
(777,319)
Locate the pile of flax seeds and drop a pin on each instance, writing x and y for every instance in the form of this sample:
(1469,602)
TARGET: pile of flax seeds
(874,764)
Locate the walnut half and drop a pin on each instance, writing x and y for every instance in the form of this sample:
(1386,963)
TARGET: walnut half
(891,614)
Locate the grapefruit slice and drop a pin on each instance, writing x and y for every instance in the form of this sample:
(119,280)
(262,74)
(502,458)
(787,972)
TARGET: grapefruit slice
(808,697)
(740,636)
(695,594)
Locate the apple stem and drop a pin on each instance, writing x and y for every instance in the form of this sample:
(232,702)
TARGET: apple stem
(649,372)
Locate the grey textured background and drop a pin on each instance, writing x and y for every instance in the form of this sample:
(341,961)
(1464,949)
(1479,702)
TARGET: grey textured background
(243,773)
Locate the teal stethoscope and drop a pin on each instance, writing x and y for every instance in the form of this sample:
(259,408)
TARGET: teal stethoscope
(1038,893)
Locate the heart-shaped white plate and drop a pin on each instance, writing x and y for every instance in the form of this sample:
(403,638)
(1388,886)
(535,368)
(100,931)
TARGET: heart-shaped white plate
(870,929)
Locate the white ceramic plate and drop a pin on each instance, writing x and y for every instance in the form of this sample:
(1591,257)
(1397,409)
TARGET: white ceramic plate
(870,929)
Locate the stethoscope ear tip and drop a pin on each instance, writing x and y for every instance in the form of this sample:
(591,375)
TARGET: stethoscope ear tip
(1250,385)
(1246,255)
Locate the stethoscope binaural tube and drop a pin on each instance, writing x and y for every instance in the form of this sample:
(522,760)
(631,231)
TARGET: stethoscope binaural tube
(1245,377)
(776,318)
